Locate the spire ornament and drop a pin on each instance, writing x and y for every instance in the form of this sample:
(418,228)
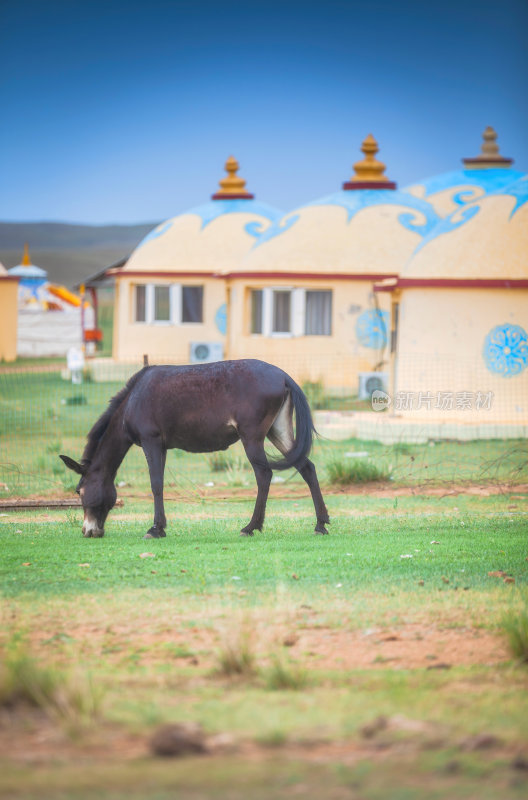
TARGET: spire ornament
(232,187)
(489,155)
(369,171)
(26,261)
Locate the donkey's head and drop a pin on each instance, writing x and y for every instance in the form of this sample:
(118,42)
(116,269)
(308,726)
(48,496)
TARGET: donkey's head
(98,496)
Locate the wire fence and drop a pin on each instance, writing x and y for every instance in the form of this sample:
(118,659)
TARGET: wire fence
(43,413)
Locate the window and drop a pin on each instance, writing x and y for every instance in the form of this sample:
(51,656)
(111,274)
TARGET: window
(168,303)
(281,312)
(162,303)
(141,306)
(291,312)
(318,313)
(192,304)
(256,311)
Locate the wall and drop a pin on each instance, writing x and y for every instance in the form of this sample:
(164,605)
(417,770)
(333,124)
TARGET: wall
(8,318)
(336,359)
(441,340)
(164,340)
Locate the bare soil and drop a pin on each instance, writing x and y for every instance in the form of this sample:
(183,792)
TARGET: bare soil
(410,646)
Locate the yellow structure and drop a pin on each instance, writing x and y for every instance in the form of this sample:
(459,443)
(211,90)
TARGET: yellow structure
(462,316)
(169,300)
(8,315)
(483,174)
(303,296)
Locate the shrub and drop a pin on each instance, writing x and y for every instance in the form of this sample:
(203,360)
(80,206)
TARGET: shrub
(403,449)
(23,682)
(236,658)
(285,674)
(515,625)
(357,471)
(315,394)
(219,461)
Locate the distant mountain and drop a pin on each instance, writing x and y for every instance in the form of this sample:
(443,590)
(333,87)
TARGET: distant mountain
(69,253)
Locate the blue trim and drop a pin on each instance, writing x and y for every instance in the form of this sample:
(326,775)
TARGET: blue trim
(460,216)
(217,208)
(155,233)
(519,189)
(420,217)
(491,180)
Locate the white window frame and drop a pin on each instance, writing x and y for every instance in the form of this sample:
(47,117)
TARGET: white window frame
(297,312)
(175,301)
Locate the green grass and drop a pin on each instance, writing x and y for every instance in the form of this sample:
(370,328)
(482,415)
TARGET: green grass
(203,539)
(515,624)
(42,415)
(149,633)
(348,472)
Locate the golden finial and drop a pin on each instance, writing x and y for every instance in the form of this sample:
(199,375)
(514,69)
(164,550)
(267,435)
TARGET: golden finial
(232,187)
(369,171)
(489,155)
(26,261)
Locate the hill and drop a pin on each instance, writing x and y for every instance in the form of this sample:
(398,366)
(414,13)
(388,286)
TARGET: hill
(69,252)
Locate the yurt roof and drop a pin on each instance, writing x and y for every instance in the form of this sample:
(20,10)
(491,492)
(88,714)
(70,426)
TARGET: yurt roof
(208,238)
(366,228)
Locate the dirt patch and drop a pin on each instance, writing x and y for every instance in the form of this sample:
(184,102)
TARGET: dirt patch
(415,646)
(319,647)
(34,740)
(294,491)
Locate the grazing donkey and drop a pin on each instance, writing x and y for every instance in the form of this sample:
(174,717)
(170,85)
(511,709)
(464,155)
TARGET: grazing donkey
(201,409)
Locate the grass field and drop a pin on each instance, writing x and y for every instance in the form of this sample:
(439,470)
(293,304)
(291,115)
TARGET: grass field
(388,659)
(371,663)
(42,415)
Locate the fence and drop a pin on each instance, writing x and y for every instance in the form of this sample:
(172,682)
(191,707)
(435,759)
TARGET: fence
(42,414)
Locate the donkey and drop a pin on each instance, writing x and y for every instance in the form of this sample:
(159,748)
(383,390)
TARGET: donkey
(198,408)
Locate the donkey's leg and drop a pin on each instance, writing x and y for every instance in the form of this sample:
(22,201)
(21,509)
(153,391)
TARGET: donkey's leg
(156,456)
(257,458)
(281,435)
(310,476)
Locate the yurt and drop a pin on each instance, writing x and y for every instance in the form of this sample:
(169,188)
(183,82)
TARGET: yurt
(303,295)
(462,318)
(169,301)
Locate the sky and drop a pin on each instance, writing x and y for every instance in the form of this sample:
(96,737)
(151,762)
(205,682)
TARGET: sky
(121,112)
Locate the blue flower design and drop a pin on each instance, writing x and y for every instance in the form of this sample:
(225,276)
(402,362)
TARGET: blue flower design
(505,350)
(371,328)
(221,318)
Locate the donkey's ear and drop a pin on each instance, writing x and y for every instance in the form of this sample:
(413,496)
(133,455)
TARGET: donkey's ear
(73,465)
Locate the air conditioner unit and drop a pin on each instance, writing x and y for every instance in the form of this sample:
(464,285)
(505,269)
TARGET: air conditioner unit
(204,352)
(370,381)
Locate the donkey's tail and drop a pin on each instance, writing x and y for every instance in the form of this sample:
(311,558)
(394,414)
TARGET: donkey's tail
(304,431)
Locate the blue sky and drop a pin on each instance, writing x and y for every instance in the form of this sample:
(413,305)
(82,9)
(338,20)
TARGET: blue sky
(126,111)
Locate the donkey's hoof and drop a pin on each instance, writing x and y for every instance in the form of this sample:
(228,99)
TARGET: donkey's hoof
(320,528)
(155,533)
(246,532)
(87,535)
